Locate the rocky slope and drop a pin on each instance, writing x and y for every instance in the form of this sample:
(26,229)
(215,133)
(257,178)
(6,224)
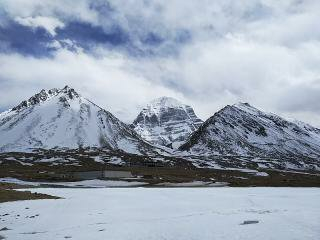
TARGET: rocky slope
(243,130)
(62,118)
(165,121)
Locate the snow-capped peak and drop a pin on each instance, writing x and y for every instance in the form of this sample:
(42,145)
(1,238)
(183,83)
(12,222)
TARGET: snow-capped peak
(158,105)
(244,106)
(241,129)
(165,102)
(166,121)
(62,118)
(44,95)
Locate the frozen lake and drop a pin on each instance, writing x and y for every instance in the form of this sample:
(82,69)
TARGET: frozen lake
(166,213)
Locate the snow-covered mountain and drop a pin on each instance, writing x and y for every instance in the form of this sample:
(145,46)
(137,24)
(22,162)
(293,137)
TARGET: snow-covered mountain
(243,130)
(62,118)
(166,121)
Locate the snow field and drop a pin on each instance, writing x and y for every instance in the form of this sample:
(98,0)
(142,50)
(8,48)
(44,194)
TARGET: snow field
(166,213)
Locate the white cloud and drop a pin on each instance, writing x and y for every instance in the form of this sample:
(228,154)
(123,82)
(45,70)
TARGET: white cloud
(69,10)
(266,52)
(102,80)
(48,23)
(211,74)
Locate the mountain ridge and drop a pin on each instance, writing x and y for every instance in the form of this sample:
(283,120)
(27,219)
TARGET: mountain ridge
(241,129)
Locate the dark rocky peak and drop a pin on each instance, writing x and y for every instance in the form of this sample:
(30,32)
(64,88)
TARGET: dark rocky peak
(244,106)
(43,95)
(273,119)
(35,99)
(70,92)
(53,91)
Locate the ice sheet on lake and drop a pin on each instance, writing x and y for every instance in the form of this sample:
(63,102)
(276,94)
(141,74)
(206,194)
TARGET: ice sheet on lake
(95,183)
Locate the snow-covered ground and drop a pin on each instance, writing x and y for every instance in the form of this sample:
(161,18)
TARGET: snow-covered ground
(193,184)
(94,183)
(97,183)
(166,213)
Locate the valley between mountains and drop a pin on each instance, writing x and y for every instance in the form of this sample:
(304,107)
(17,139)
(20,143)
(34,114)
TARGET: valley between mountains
(57,132)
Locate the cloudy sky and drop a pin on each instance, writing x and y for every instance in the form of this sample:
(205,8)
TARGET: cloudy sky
(122,54)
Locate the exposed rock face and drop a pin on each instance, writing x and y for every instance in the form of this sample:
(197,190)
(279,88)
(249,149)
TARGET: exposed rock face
(241,129)
(62,118)
(165,121)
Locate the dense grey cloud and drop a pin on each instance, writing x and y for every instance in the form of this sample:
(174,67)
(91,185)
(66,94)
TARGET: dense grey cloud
(301,98)
(122,54)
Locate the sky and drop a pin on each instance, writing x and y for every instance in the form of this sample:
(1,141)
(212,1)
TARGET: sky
(207,54)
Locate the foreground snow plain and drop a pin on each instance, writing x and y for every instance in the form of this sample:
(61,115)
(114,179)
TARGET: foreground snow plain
(166,213)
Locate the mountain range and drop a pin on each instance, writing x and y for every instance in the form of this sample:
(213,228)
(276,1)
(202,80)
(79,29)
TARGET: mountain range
(63,119)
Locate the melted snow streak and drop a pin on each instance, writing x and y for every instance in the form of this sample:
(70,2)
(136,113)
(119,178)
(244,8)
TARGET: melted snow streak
(165,121)
(62,118)
(243,130)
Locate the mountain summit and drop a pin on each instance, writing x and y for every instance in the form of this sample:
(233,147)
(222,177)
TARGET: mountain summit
(166,121)
(242,129)
(62,118)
